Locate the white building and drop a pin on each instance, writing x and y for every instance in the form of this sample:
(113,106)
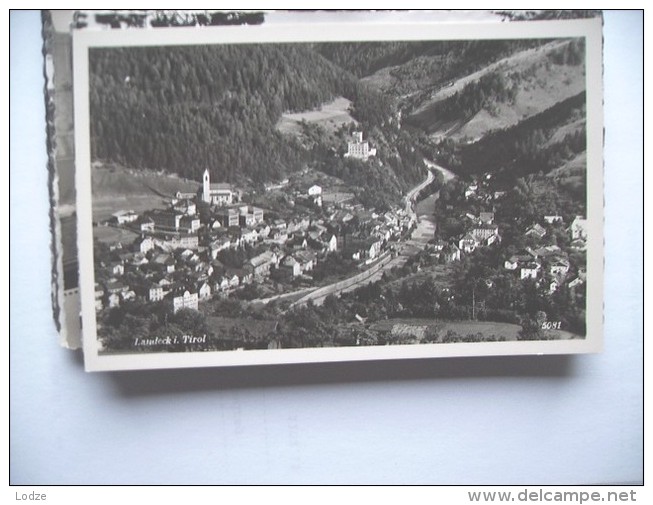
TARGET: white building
(155,293)
(578,229)
(146,244)
(216,194)
(125,216)
(184,300)
(529,271)
(315,190)
(204,291)
(359,148)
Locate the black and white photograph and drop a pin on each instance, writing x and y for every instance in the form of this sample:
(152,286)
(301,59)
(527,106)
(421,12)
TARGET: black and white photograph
(422,192)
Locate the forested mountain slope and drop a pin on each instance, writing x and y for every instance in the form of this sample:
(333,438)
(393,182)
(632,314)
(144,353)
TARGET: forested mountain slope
(184,109)
(505,92)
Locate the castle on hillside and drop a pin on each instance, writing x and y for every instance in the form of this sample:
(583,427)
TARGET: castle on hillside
(220,193)
(359,148)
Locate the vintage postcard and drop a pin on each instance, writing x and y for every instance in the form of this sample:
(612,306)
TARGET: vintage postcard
(305,192)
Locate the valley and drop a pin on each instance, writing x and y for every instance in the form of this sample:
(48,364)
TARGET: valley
(335,191)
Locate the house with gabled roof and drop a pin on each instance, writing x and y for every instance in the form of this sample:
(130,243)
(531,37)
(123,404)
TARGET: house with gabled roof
(262,264)
(512,263)
(438,245)
(537,231)
(468,243)
(116,268)
(559,266)
(167,220)
(244,276)
(574,283)
(486,217)
(278,236)
(249,236)
(280,224)
(553,219)
(578,228)
(164,261)
(113,300)
(189,224)
(115,286)
(146,223)
(548,251)
(186,207)
(451,252)
(219,244)
(222,284)
(289,267)
(530,270)
(204,291)
(144,244)
(306,260)
(297,242)
(263,230)
(151,291)
(470,190)
(125,216)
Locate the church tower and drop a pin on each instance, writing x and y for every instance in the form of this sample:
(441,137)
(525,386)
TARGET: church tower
(206,187)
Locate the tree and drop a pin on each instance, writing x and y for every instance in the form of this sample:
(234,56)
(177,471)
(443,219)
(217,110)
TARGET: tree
(531,329)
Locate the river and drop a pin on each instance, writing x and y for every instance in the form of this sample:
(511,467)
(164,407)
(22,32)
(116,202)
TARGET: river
(426,224)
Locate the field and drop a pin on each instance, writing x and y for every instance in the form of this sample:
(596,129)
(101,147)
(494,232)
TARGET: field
(111,235)
(104,207)
(419,327)
(330,116)
(117,188)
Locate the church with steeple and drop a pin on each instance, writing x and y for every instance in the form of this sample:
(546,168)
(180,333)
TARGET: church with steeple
(220,193)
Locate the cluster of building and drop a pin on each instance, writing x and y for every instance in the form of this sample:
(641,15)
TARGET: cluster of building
(176,256)
(547,264)
(550,264)
(322,197)
(479,190)
(481,232)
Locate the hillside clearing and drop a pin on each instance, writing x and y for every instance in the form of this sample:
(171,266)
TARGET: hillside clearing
(117,188)
(537,93)
(517,61)
(539,85)
(330,116)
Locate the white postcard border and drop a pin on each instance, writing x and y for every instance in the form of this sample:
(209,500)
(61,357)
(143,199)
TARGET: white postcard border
(589,28)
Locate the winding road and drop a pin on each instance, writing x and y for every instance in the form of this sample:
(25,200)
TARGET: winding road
(423,232)
(425,227)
